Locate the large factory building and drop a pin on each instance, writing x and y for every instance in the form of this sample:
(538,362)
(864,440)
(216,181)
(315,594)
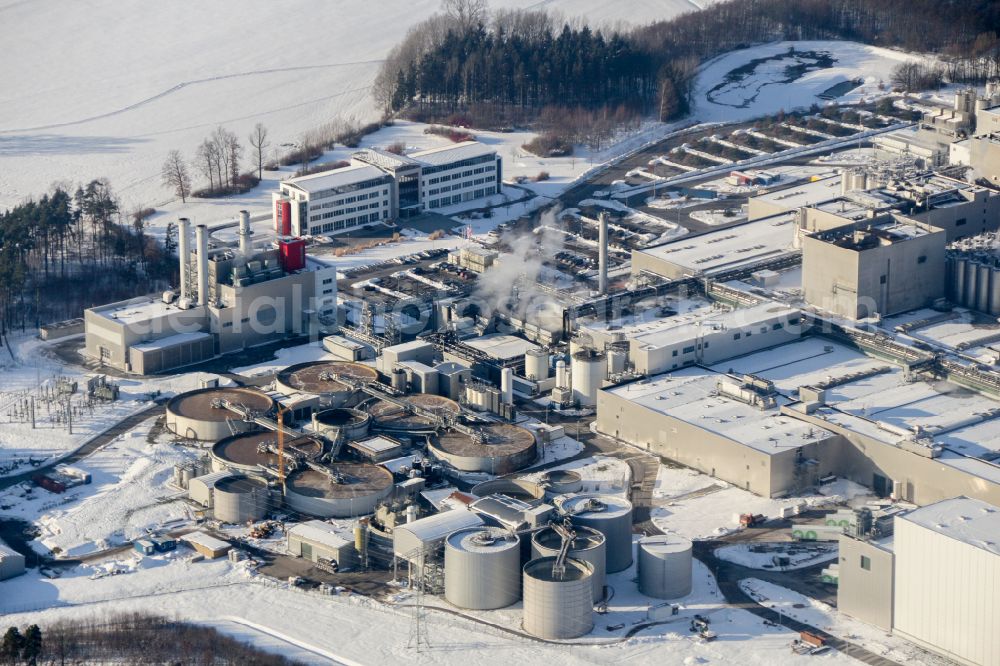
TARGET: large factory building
(379,186)
(230,298)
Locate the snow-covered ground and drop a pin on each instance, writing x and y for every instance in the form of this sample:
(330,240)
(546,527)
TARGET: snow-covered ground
(761,555)
(721,95)
(820,615)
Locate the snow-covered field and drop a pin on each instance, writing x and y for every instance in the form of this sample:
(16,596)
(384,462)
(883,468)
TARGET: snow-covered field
(723,94)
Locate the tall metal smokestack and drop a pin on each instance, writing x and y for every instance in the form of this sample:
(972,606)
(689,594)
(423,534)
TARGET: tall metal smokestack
(602,268)
(184,253)
(201,241)
(246,247)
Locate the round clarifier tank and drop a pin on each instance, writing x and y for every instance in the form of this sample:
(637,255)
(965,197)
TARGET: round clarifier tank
(520,489)
(353,423)
(426,413)
(482,568)
(665,566)
(562,482)
(498,448)
(333,380)
(249,451)
(239,499)
(558,607)
(203,415)
(588,545)
(611,516)
(345,490)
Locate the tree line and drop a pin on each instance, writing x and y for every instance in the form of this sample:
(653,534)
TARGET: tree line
(513,64)
(218,160)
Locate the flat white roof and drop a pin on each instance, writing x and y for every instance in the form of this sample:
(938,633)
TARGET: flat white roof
(378,444)
(319,532)
(970,521)
(732,247)
(687,326)
(691,395)
(501,345)
(803,194)
(447,154)
(326,180)
(8,552)
(139,309)
(441,524)
(206,540)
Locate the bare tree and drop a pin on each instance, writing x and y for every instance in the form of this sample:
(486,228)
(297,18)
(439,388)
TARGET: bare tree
(467,13)
(208,158)
(259,143)
(175,175)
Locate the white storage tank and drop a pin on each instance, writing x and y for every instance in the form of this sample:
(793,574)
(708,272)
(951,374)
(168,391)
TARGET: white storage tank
(482,568)
(561,482)
(611,516)
(665,566)
(536,364)
(557,608)
(589,368)
(617,360)
(239,499)
(589,546)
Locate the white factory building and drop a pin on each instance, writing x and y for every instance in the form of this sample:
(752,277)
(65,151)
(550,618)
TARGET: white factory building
(379,186)
(935,581)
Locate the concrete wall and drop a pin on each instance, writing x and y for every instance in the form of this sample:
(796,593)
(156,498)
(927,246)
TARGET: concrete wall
(748,468)
(262,312)
(175,356)
(947,594)
(984,157)
(345,557)
(980,214)
(865,594)
(888,279)
(643,262)
(115,336)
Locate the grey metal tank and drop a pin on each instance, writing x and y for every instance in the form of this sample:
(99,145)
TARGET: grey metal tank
(240,499)
(561,482)
(558,607)
(589,546)
(482,568)
(611,516)
(665,566)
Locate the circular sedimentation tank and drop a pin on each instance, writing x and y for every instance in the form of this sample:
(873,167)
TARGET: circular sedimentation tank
(200,414)
(324,378)
(247,452)
(482,568)
(561,482)
(561,607)
(354,423)
(610,515)
(589,546)
(665,566)
(239,499)
(392,417)
(348,490)
(498,448)
(521,489)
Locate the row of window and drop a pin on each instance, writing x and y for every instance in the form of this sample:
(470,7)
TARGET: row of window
(460,186)
(346,211)
(740,334)
(349,200)
(465,174)
(353,187)
(472,161)
(353,222)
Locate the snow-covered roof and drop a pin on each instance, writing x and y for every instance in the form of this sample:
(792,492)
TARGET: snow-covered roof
(326,180)
(970,521)
(6,552)
(501,345)
(377,444)
(692,395)
(455,153)
(436,527)
(396,465)
(729,248)
(205,540)
(210,480)
(320,533)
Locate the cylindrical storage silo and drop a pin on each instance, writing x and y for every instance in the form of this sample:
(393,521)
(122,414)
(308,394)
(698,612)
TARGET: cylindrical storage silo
(482,568)
(562,374)
(617,360)
(353,423)
(971,274)
(611,516)
(240,499)
(995,291)
(665,566)
(983,287)
(589,369)
(536,364)
(589,546)
(558,607)
(959,296)
(399,380)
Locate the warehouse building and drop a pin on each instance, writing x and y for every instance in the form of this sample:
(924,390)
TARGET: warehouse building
(885,265)
(379,186)
(935,581)
(319,542)
(11,562)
